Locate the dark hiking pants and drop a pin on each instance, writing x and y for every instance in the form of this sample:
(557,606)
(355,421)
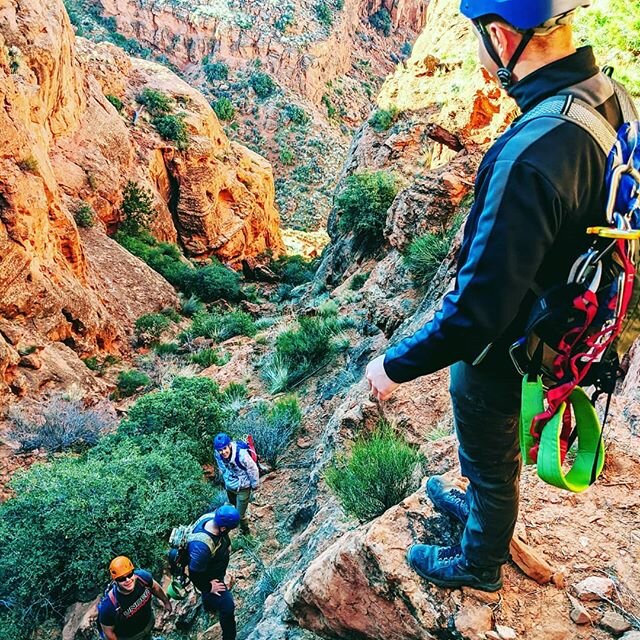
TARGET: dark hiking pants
(225,607)
(486,407)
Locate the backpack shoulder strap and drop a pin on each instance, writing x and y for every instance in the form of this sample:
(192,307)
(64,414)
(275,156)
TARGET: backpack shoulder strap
(212,543)
(627,106)
(113,596)
(568,107)
(240,448)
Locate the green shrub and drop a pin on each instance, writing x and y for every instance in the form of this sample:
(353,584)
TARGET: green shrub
(379,472)
(296,114)
(190,406)
(206,358)
(172,127)
(358,281)
(69,518)
(29,163)
(323,13)
(287,157)
(272,428)
(191,306)
(84,215)
(137,209)
(425,254)
(215,71)
(271,578)
(98,366)
(166,348)
(234,397)
(381,21)
(382,119)
(61,425)
(215,282)
(130,382)
(363,203)
(116,102)
(222,326)
(151,326)
(224,109)
(294,270)
(262,84)
(306,349)
(156,102)
(332,112)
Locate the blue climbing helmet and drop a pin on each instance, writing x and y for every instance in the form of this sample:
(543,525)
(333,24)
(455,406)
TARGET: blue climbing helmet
(526,16)
(226,516)
(522,14)
(221,441)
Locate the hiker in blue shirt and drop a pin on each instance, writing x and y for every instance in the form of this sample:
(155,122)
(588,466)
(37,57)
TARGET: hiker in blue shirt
(239,473)
(125,612)
(537,190)
(208,562)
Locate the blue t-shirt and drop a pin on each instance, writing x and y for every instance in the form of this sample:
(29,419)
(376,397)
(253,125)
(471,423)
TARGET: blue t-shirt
(134,608)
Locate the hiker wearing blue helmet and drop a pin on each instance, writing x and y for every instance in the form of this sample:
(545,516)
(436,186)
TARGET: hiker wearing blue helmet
(238,471)
(208,562)
(537,189)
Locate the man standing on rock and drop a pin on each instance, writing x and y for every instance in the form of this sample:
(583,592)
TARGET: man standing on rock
(537,189)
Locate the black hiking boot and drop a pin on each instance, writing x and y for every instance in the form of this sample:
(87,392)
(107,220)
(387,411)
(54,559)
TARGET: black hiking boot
(447,567)
(447,498)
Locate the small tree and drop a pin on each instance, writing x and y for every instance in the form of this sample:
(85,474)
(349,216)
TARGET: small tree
(172,127)
(323,13)
(84,215)
(224,109)
(382,119)
(262,84)
(216,71)
(115,101)
(362,205)
(381,21)
(156,102)
(137,209)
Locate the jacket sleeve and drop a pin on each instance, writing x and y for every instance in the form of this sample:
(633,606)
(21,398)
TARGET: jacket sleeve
(252,469)
(516,215)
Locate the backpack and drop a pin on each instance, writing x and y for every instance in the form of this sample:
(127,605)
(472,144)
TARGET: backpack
(111,592)
(578,331)
(179,539)
(247,445)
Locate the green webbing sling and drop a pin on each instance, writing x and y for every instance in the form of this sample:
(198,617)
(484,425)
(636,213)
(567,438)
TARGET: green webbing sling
(590,457)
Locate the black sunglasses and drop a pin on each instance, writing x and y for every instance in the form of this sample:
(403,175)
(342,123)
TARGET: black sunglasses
(124,578)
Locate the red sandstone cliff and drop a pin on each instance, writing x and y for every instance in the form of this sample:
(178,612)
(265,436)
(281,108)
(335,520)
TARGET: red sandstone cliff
(63,143)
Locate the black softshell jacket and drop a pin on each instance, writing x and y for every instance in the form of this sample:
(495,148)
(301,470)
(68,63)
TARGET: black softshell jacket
(537,189)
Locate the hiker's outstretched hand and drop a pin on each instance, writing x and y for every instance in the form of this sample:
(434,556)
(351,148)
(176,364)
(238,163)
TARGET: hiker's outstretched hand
(217,587)
(380,384)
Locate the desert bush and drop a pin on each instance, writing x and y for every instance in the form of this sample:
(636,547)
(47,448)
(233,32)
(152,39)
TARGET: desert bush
(221,326)
(324,13)
(294,270)
(190,406)
(271,577)
(100,366)
(224,108)
(166,348)
(150,327)
(380,471)
(305,349)
(425,254)
(234,397)
(262,84)
(214,282)
(381,21)
(115,101)
(130,382)
(69,518)
(215,71)
(296,114)
(84,215)
(29,163)
(61,425)
(382,119)
(156,102)
(272,427)
(363,203)
(172,127)
(137,209)
(358,281)
(191,306)
(206,358)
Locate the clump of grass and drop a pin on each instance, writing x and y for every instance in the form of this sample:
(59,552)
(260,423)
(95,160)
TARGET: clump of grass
(377,474)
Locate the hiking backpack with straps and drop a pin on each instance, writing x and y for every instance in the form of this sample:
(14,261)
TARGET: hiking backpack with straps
(579,331)
(247,444)
(181,536)
(111,592)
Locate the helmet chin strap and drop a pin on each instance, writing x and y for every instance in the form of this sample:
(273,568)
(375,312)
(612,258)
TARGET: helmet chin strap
(504,72)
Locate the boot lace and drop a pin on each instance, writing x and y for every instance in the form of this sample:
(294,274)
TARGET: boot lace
(449,554)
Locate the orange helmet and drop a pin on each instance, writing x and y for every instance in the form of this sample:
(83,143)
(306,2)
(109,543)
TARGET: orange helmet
(120,566)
